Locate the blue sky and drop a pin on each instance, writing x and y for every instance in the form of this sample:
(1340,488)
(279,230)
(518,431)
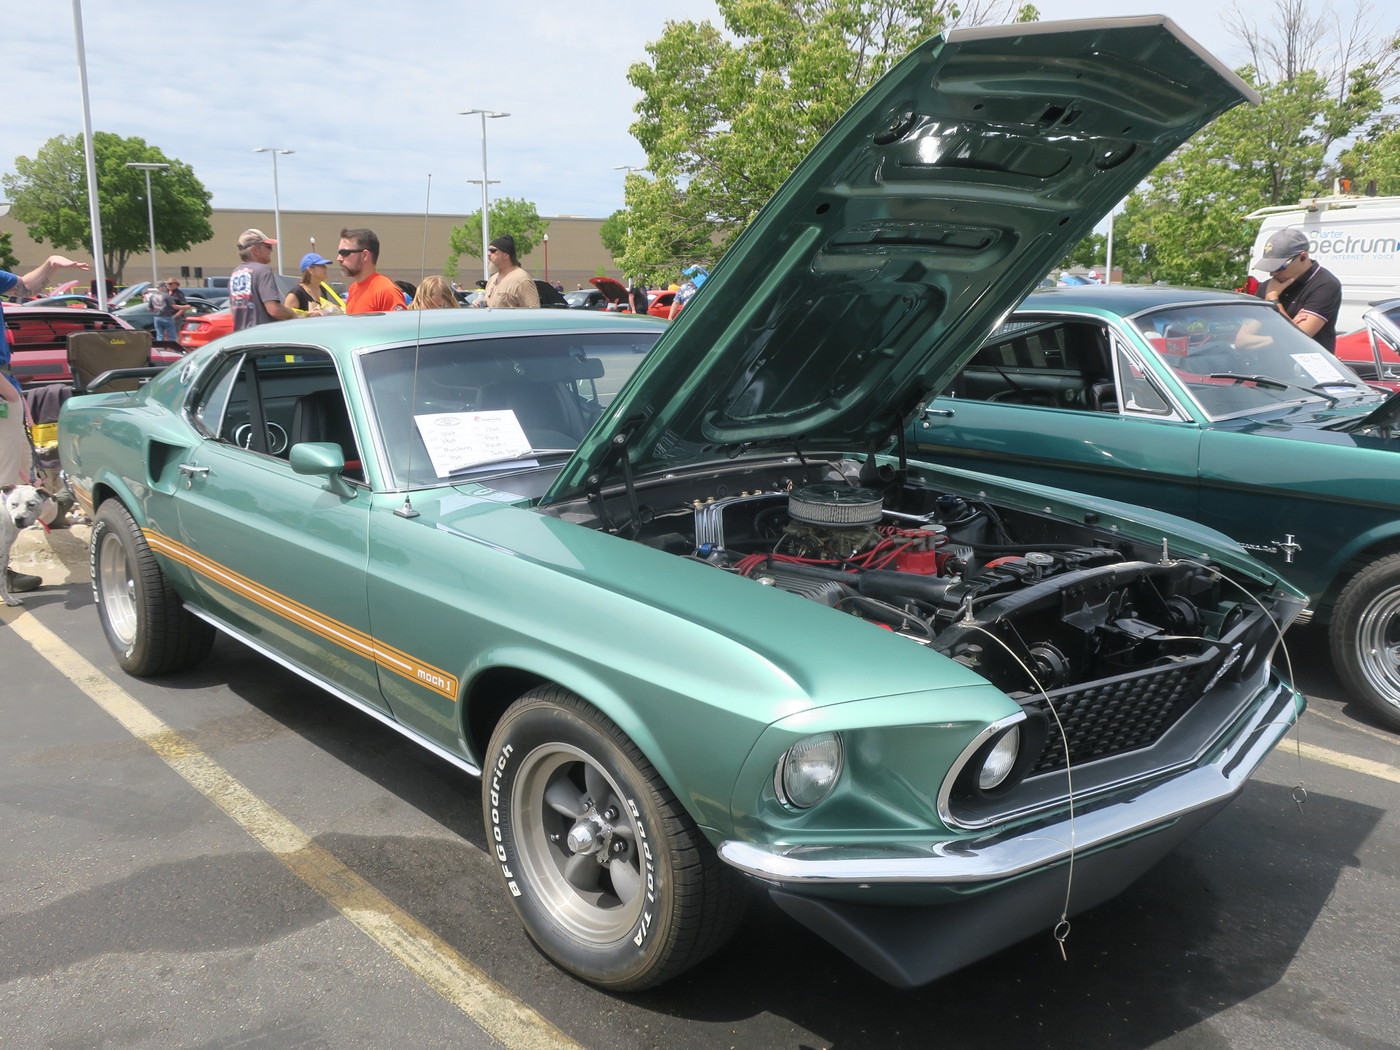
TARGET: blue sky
(367,94)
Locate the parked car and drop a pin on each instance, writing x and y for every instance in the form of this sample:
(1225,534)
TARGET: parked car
(140,316)
(586,299)
(72,300)
(708,622)
(38,337)
(199,328)
(1373,352)
(1210,405)
(660,305)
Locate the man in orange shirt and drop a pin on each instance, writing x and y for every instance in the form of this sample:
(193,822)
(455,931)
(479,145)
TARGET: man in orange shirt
(370,291)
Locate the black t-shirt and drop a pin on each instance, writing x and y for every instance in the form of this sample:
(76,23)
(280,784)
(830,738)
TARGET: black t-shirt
(1318,292)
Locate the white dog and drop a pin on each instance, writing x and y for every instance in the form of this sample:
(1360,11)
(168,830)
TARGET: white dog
(23,504)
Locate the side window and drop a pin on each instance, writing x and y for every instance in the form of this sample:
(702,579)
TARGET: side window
(268,401)
(1135,390)
(1052,364)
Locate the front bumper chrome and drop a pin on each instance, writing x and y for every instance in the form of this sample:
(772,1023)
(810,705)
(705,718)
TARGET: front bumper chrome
(1001,854)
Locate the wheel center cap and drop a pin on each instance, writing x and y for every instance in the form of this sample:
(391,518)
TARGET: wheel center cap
(586,836)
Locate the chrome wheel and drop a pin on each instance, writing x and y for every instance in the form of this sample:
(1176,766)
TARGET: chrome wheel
(1365,638)
(609,874)
(145,621)
(578,843)
(117,589)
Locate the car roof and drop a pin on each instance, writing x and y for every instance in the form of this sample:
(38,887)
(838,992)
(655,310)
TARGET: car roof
(1124,299)
(351,332)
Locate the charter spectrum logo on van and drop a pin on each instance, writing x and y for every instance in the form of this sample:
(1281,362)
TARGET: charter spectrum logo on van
(1339,244)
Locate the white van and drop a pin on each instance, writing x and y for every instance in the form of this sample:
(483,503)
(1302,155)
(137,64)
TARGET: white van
(1357,238)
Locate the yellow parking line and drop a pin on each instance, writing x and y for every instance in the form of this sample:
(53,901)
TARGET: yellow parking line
(452,976)
(1351,762)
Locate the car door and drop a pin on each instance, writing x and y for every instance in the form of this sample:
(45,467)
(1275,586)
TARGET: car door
(279,556)
(1066,401)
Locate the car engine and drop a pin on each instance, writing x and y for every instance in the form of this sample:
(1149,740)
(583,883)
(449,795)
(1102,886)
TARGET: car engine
(1105,641)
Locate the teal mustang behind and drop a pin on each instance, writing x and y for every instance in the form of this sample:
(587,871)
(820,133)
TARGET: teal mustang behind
(1213,406)
(692,615)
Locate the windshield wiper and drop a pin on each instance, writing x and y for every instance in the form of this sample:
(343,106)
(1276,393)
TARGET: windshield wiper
(513,459)
(1269,382)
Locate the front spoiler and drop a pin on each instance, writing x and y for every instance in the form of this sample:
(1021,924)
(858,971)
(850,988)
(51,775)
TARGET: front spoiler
(1028,847)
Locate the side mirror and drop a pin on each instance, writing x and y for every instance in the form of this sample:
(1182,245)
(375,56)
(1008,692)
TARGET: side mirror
(324,459)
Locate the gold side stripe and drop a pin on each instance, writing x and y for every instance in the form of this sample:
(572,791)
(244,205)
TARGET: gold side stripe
(434,679)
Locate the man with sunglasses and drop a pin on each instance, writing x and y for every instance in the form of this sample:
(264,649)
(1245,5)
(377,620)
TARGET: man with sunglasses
(252,287)
(1308,295)
(370,291)
(510,286)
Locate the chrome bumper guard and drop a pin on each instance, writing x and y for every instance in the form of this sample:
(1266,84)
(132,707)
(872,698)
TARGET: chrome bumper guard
(1029,847)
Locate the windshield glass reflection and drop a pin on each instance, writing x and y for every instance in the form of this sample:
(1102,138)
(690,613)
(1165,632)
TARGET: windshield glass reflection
(1237,359)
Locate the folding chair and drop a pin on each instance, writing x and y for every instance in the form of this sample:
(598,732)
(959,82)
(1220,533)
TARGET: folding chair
(92,353)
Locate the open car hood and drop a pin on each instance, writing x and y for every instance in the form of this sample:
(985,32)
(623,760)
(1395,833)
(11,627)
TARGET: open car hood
(612,290)
(928,211)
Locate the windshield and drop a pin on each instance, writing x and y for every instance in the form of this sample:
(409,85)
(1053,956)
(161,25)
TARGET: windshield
(1239,358)
(446,410)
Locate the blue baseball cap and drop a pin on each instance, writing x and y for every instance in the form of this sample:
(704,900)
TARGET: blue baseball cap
(312,259)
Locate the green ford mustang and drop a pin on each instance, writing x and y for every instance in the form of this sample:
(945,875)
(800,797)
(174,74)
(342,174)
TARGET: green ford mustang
(1209,405)
(692,614)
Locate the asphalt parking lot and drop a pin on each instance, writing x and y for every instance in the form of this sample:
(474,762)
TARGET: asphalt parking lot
(229,858)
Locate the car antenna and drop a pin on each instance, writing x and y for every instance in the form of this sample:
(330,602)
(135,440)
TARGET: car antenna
(406,510)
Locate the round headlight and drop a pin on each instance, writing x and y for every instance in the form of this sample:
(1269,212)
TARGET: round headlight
(808,772)
(1000,760)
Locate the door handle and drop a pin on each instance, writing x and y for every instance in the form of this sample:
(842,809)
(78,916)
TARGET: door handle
(190,471)
(937,414)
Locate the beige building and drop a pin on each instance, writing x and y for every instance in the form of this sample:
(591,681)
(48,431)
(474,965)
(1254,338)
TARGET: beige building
(410,248)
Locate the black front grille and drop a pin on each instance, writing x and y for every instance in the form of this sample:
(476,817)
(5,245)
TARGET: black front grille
(1120,714)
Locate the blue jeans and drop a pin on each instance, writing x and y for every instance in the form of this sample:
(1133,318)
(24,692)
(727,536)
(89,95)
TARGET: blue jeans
(166,330)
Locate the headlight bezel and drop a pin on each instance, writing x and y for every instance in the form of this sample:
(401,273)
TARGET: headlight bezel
(801,759)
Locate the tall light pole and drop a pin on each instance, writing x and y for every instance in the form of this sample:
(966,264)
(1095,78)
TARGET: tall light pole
(276,199)
(546,257)
(99,263)
(485,181)
(150,208)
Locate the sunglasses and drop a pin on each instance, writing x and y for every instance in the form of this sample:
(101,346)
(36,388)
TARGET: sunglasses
(343,252)
(492,251)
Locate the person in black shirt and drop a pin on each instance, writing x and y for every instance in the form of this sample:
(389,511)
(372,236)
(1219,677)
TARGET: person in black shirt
(1308,295)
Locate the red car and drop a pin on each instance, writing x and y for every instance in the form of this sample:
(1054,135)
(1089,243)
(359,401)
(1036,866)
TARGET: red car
(196,331)
(38,337)
(1374,351)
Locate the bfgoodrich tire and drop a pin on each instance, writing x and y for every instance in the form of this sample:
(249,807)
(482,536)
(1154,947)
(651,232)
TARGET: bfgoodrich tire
(610,876)
(1365,638)
(146,625)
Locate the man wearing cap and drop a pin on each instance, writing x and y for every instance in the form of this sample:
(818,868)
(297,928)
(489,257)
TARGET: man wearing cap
(252,287)
(1308,295)
(510,286)
(370,292)
(166,309)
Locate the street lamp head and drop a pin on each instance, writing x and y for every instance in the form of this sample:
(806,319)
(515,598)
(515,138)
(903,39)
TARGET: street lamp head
(493,114)
(271,149)
(145,165)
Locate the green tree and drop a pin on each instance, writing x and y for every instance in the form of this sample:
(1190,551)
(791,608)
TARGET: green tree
(8,259)
(1375,159)
(507,215)
(1186,224)
(1088,253)
(726,114)
(49,194)
(613,232)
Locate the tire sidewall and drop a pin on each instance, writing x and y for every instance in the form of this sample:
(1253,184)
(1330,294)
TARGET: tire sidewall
(520,734)
(1379,581)
(118,523)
